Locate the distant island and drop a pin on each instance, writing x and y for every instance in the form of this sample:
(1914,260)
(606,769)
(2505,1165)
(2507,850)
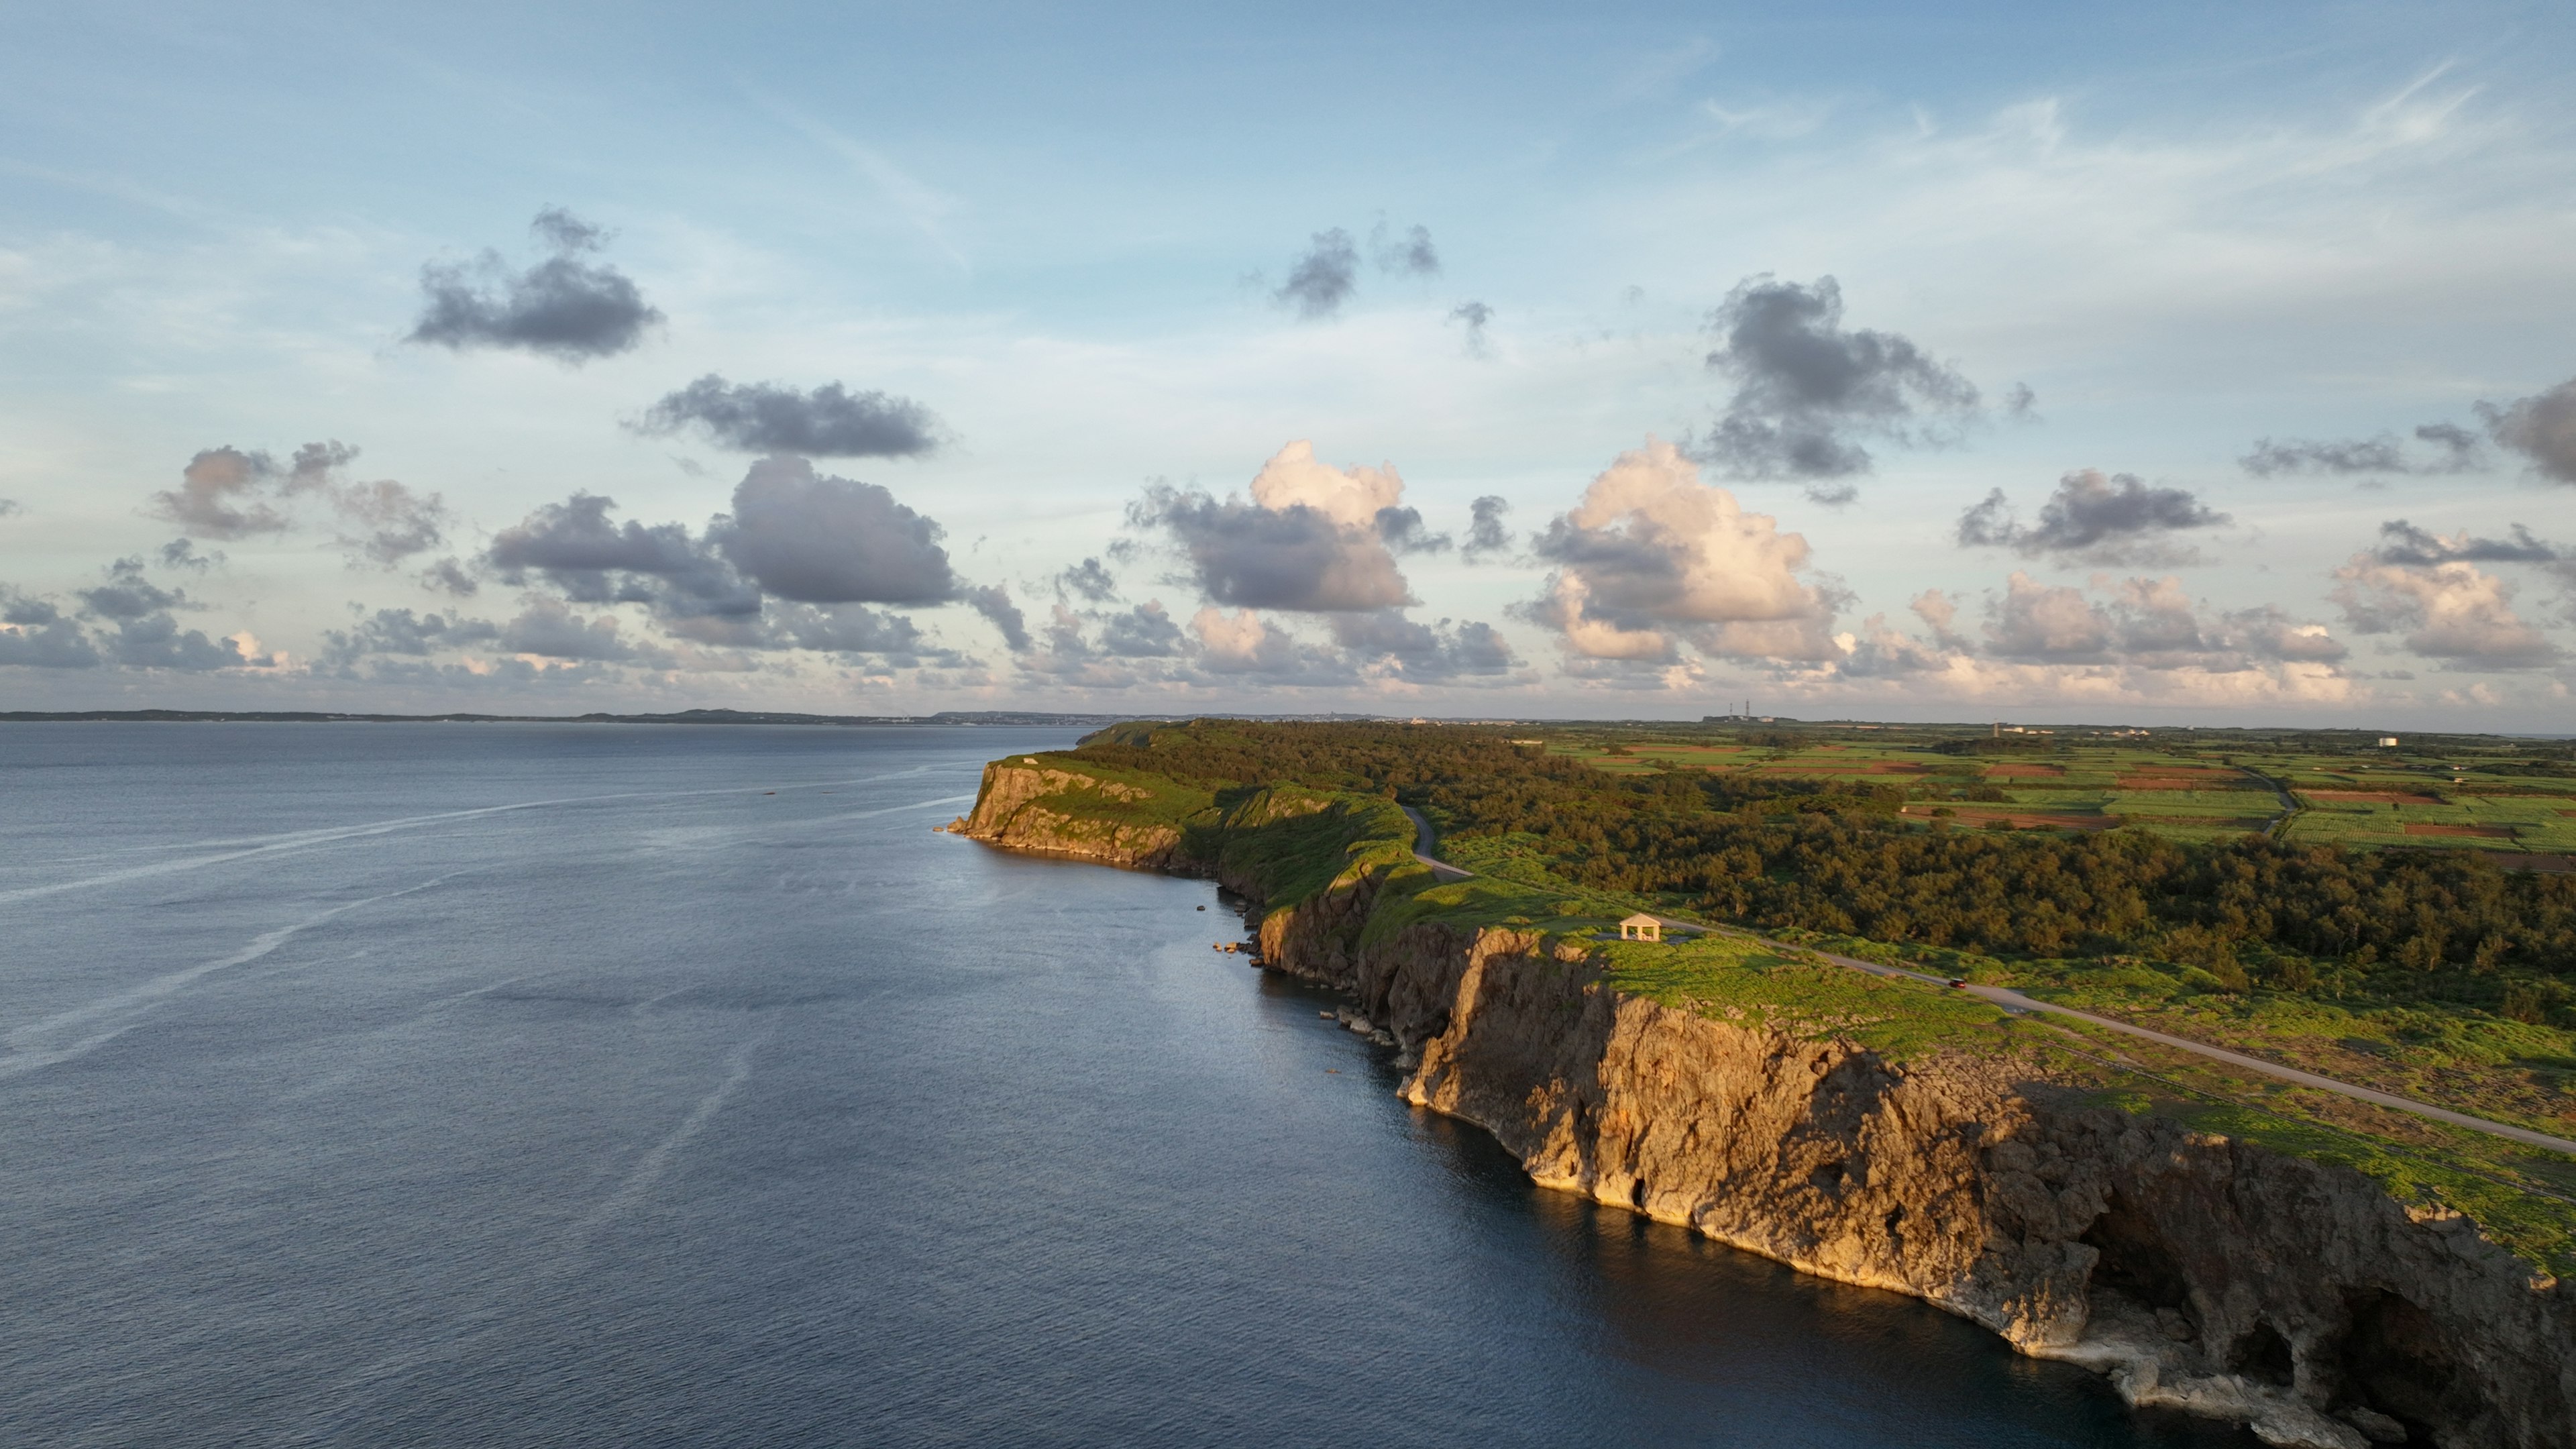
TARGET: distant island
(2239,1066)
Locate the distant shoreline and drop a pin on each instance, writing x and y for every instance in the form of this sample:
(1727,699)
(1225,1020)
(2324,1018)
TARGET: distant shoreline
(692,716)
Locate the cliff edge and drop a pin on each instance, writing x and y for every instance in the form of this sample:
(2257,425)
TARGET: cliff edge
(2198,1271)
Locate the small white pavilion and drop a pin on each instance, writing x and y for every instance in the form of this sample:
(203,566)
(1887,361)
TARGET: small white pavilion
(1641,927)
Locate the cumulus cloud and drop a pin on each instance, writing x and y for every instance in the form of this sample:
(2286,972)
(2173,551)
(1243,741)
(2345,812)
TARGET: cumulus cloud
(1808,390)
(228,493)
(220,495)
(1087,580)
(1246,644)
(2114,519)
(403,632)
(1388,645)
(2401,542)
(994,602)
(1323,277)
(1473,316)
(1143,632)
(2135,639)
(391,522)
(1408,254)
(549,629)
(147,633)
(181,553)
(2542,429)
(564,307)
(1653,557)
(828,422)
(1313,537)
(577,548)
(818,539)
(2452,449)
(2451,611)
(34,634)
(1486,533)
(2048,623)
(856,629)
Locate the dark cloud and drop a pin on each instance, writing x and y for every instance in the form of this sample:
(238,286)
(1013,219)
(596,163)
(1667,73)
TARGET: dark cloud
(856,629)
(128,595)
(147,635)
(2454,450)
(1087,580)
(2542,429)
(155,641)
(2401,542)
(1473,316)
(994,603)
(829,422)
(402,632)
(1386,642)
(2110,519)
(35,635)
(1410,254)
(1298,557)
(1486,534)
(549,629)
(823,540)
(1313,537)
(180,553)
(449,576)
(2021,404)
(574,546)
(10,508)
(1143,632)
(1807,389)
(1322,279)
(1403,531)
(563,307)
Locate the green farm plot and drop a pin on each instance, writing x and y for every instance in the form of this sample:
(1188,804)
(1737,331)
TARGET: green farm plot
(2525,823)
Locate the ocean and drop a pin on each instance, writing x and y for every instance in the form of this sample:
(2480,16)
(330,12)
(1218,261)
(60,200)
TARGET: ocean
(415,1084)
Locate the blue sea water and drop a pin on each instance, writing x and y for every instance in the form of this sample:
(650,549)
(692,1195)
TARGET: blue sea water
(521,1084)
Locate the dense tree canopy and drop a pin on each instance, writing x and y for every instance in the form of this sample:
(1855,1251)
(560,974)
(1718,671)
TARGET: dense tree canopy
(1837,857)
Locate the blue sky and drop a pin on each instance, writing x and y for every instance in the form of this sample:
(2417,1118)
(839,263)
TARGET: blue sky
(1067,245)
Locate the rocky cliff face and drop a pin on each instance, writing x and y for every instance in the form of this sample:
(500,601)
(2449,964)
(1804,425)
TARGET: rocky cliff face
(2198,1272)
(1020,806)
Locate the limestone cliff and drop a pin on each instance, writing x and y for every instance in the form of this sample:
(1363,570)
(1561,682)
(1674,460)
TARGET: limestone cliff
(1057,811)
(2199,1272)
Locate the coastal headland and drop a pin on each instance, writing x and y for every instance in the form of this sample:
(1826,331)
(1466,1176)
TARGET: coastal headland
(2328,1275)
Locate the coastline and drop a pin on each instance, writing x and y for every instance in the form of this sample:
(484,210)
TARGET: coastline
(2197,1270)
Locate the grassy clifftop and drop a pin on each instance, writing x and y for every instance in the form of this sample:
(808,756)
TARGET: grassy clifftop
(1290,841)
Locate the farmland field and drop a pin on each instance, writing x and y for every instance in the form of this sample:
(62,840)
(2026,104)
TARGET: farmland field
(2349,792)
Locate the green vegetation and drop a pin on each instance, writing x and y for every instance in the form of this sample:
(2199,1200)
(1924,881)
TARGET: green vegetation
(2433,972)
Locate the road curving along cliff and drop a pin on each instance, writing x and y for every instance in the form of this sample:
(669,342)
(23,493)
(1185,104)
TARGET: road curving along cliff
(2197,1270)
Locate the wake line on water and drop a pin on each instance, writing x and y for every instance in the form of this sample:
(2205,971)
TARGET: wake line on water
(657,1158)
(250,847)
(126,1010)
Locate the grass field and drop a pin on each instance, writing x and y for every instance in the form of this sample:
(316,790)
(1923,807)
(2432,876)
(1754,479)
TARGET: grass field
(2357,795)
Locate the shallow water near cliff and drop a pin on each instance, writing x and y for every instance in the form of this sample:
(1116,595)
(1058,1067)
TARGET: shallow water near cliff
(501,1084)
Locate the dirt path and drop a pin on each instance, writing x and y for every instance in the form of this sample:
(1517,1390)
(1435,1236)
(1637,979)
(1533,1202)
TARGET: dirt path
(2011,1000)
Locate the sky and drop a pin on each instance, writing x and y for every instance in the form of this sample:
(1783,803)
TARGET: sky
(2190,364)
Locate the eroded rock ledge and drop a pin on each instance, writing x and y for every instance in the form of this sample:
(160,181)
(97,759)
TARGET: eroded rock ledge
(2198,1272)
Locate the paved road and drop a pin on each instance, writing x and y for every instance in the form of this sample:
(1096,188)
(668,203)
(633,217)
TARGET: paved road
(2011,1000)
(1422,847)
